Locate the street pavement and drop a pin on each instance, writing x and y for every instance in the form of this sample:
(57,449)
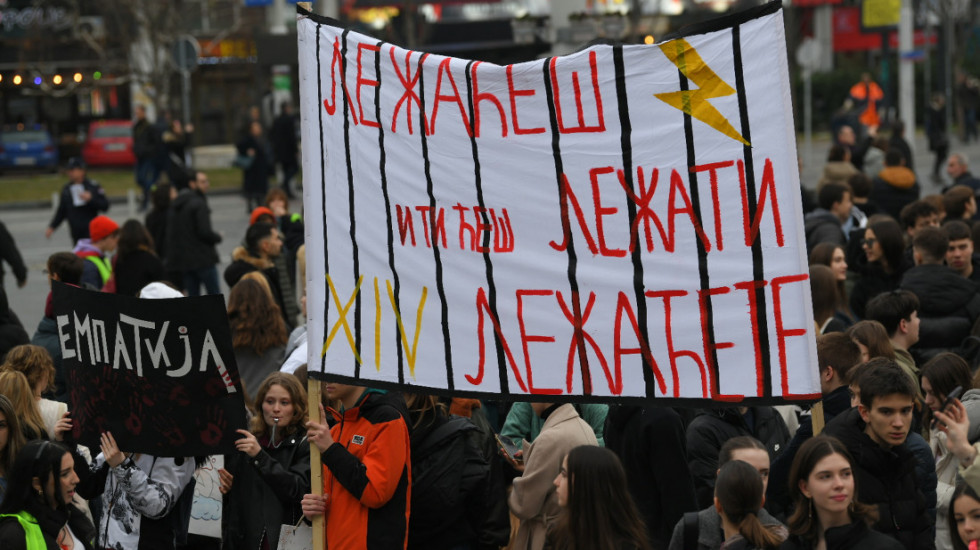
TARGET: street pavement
(27,223)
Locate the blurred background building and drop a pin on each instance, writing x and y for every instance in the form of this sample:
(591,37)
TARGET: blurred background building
(65,63)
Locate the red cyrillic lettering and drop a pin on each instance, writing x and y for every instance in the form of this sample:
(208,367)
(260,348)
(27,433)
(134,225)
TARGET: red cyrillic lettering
(408,83)
(483,306)
(338,61)
(782,333)
(712,170)
(514,94)
(623,304)
(579,108)
(405,225)
(673,354)
(479,97)
(444,69)
(361,81)
(527,338)
(677,187)
(768,188)
(643,211)
(601,211)
(751,287)
(566,222)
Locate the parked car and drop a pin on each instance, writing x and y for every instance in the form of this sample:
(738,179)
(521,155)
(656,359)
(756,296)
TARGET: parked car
(27,147)
(109,143)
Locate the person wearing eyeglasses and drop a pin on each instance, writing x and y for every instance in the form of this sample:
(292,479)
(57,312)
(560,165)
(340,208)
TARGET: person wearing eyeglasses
(882,264)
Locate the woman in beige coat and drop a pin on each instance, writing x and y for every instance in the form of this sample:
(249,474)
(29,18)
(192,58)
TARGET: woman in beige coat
(533,499)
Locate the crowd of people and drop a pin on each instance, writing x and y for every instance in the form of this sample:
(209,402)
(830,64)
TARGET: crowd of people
(886,461)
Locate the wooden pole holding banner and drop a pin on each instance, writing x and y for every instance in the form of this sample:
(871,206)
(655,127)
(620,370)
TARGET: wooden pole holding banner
(313,396)
(316,468)
(816,416)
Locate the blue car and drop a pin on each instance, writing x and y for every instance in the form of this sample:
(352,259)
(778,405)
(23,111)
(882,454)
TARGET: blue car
(31,148)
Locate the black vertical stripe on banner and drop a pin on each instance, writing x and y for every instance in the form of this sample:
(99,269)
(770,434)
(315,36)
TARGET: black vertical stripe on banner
(758,272)
(567,228)
(384,191)
(702,253)
(447,345)
(350,204)
(626,143)
(323,197)
(478,184)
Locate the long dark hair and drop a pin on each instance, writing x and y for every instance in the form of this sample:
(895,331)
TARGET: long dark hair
(15,437)
(823,293)
(254,316)
(738,490)
(945,371)
(962,489)
(802,522)
(41,459)
(134,237)
(889,235)
(599,513)
(823,254)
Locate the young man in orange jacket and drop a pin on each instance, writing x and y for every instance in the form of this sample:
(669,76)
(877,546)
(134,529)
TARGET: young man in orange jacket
(366,471)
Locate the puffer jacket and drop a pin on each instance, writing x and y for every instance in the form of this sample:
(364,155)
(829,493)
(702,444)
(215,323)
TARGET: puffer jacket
(887,478)
(712,428)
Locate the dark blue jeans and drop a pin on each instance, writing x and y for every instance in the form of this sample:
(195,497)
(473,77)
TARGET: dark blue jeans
(147,173)
(207,276)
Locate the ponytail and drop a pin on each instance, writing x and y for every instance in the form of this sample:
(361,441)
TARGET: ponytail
(758,534)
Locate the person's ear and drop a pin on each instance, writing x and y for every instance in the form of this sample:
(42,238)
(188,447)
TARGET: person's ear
(828,373)
(865,414)
(36,483)
(803,489)
(717,505)
(903,326)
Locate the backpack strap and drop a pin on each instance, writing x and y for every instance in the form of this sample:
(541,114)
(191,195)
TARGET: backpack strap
(691,530)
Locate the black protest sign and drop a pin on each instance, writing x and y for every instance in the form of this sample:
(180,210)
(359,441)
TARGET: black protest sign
(159,374)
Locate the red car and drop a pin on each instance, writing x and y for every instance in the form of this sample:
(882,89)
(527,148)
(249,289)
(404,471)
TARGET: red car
(109,143)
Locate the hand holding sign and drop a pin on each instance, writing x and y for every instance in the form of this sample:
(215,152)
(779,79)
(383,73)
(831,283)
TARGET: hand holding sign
(248,444)
(319,434)
(62,427)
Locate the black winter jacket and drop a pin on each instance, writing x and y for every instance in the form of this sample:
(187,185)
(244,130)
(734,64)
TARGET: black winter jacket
(650,443)
(846,537)
(79,216)
(135,271)
(822,226)
(266,491)
(450,484)
(886,478)
(873,281)
(948,304)
(190,238)
(10,254)
(777,492)
(711,429)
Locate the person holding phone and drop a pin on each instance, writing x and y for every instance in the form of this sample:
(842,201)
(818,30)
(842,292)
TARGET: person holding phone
(941,377)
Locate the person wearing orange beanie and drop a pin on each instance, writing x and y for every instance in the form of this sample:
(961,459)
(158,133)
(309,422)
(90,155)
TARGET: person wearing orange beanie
(104,236)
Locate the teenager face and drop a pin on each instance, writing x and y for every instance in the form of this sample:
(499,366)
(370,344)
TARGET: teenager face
(277,405)
(959,254)
(561,483)
(64,485)
(838,264)
(830,485)
(872,248)
(966,512)
(758,459)
(888,420)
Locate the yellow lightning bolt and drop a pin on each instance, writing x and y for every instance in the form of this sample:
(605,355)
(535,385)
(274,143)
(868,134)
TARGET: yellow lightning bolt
(710,85)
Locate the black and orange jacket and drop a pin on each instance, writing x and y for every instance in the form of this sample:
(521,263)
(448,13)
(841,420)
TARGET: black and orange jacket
(367,475)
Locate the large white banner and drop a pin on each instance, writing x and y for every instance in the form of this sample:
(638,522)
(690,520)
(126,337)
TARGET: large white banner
(623,222)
